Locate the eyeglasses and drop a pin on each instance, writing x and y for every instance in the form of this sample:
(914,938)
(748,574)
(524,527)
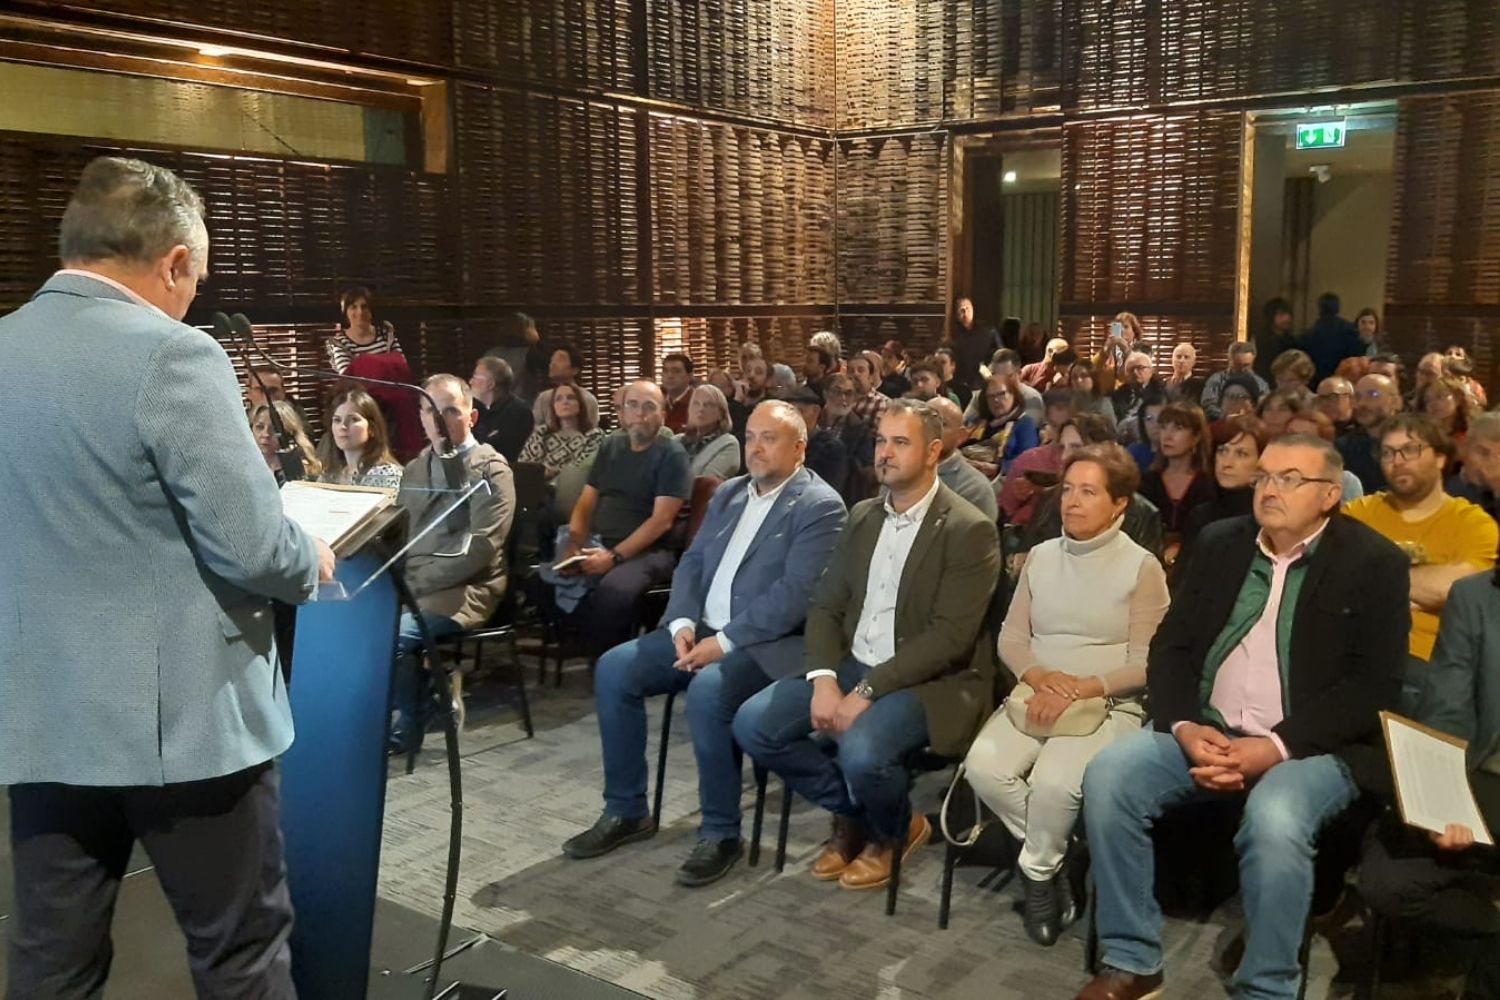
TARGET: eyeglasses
(1286,482)
(1409,452)
(641,405)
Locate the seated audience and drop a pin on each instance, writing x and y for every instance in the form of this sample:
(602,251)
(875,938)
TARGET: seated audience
(1182,476)
(1002,429)
(827,455)
(1143,430)
(1139,372)
(275,390)
(1444,538)
(817,365)
(1279,407)
(1125,333)
(636,487)
(1458,365)
(1259,694)
(1241,362)
(954,470)
(1182,385)
(1241,395)
(781,382)
(457,572)
(357,451)
(1447,402)
(926,379)
(677,390)
(869,402)
(739,413)
(708,436)
(1005,363)
(1036,472)
(1044,374)
(1351,370)
(403,418)
(1081,378)
(733,625)
(1275,337)
(894,382)
(754,390)
(1480,481)
(1429,370)
(1316,424)
(856,434)
(1444,883)
(505,422)
(264,430)
(1335,400)
(567,437)
(360,334)
(1295,372)
(1367,325)
(563,368)
(1078,629)
(1238,442)
(1376,399)
(1059,406)
(891,664)
(1330,339)
(1391,366)
(828,342)
(520,346)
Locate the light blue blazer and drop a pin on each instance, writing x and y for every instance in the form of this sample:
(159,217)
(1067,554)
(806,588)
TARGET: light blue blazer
(141,535)
(775,580)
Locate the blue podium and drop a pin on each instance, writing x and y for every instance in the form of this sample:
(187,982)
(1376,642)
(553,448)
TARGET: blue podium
(333,778)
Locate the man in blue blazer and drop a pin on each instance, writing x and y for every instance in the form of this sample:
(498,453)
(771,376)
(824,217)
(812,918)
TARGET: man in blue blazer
(142,540)
(733,625)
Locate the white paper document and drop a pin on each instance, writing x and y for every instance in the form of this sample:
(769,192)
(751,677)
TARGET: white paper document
(330,514)
(1432,781)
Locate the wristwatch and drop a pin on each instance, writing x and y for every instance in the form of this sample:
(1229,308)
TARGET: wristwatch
(616,557)
(864,690)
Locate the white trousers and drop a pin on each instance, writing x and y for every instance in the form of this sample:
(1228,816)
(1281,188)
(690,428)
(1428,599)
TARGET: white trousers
(1036,786)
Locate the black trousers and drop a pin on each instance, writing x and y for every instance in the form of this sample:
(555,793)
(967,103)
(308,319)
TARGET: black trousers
(216,846)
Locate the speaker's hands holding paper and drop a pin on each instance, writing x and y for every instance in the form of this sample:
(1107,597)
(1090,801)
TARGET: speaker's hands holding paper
(326,560)
(1455,837)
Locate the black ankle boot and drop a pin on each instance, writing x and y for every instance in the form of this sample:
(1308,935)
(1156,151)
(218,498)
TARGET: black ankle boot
(1039,910)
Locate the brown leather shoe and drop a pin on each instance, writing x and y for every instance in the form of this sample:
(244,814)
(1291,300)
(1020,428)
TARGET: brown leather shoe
(1112,984)
(844,845)
(872,869)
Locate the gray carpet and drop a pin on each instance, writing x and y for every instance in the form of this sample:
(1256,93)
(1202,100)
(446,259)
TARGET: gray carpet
(755,934)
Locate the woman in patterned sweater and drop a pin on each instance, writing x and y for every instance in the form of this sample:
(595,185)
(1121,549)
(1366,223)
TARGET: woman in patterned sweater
(567,438)
(357,452)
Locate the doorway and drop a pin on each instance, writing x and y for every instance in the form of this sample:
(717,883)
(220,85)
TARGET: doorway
(1320,208)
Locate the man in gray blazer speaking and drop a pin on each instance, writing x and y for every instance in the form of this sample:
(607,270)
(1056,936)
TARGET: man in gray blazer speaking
(141,540)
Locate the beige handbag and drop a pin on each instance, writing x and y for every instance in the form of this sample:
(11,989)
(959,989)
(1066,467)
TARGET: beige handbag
(1082,718)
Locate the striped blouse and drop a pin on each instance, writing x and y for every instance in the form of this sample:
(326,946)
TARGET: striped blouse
(341,350)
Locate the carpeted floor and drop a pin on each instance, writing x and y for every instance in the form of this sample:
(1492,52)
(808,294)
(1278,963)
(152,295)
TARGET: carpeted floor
(755,934)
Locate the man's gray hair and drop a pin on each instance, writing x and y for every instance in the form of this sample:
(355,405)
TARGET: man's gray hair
(131,211)
(1333,459)
(453,384)
(787,414)
(932,422)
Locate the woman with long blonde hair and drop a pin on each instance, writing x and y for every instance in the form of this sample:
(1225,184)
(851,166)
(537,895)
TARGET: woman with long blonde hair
(265,437)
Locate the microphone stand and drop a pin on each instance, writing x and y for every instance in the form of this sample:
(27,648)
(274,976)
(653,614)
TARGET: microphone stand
(243,332)
(288,452)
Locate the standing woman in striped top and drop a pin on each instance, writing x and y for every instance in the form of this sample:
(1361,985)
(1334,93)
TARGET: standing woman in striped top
(360,334)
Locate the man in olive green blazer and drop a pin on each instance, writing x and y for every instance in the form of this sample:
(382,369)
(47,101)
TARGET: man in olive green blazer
(891,660)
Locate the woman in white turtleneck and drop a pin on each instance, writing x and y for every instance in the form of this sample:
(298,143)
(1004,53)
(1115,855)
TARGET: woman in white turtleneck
(1079,626)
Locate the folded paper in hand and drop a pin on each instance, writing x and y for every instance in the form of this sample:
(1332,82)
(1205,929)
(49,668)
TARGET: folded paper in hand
(1432,781)
(334,513)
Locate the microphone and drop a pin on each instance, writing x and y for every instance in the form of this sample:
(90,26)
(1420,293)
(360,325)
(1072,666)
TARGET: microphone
(455,472)
(288,452)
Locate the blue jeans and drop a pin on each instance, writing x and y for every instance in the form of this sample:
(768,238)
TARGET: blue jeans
(1134,781)
(640,668)
(865,779)
(413,685)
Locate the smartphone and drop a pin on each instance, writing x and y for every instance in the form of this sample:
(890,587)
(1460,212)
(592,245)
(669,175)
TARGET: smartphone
(1117,329)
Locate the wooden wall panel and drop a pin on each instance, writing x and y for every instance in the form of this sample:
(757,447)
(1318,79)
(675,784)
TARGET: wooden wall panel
(572,43)
(919,335)
(1443,276)
(767,58)
(1149,219)
(547,190)
(739,215)
(893,219)
(714,342)
(1444,39)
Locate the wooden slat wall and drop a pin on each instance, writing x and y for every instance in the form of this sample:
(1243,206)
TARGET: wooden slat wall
(1149,219)
(1443,277)
(892,219)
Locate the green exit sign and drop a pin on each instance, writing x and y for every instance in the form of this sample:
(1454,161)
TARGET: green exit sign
(1321,135)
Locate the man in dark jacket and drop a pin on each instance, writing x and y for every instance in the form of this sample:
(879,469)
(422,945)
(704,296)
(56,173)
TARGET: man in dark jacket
(505,422)
(1332,338)
(1283,644)
(972,344)
(1274,337)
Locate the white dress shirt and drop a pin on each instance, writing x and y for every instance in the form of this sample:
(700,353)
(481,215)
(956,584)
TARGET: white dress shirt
(717,602)
(875,634)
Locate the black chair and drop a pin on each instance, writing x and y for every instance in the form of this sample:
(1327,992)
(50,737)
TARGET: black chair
(919,761)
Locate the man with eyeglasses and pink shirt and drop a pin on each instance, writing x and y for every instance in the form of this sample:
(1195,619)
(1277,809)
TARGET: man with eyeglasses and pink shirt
(1283,643)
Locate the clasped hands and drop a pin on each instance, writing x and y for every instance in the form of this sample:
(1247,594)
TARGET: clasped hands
(694,654)
(596,561)
(1055,691)
(833,711)
(1224,764)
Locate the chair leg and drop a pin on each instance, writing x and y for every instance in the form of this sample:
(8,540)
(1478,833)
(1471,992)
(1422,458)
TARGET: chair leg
(761,777)
(894,885)
(515,659)
(1303,955)
(950,861)
(1091,938)
(786,822)
(661,757)
(1377,951)
(460,712)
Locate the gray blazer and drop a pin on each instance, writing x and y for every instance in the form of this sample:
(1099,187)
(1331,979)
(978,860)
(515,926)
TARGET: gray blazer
(141,538)
(1462,694)
(775,580)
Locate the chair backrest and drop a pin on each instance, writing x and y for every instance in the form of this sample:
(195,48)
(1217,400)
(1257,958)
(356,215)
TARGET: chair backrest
(531,486)
(697,505)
